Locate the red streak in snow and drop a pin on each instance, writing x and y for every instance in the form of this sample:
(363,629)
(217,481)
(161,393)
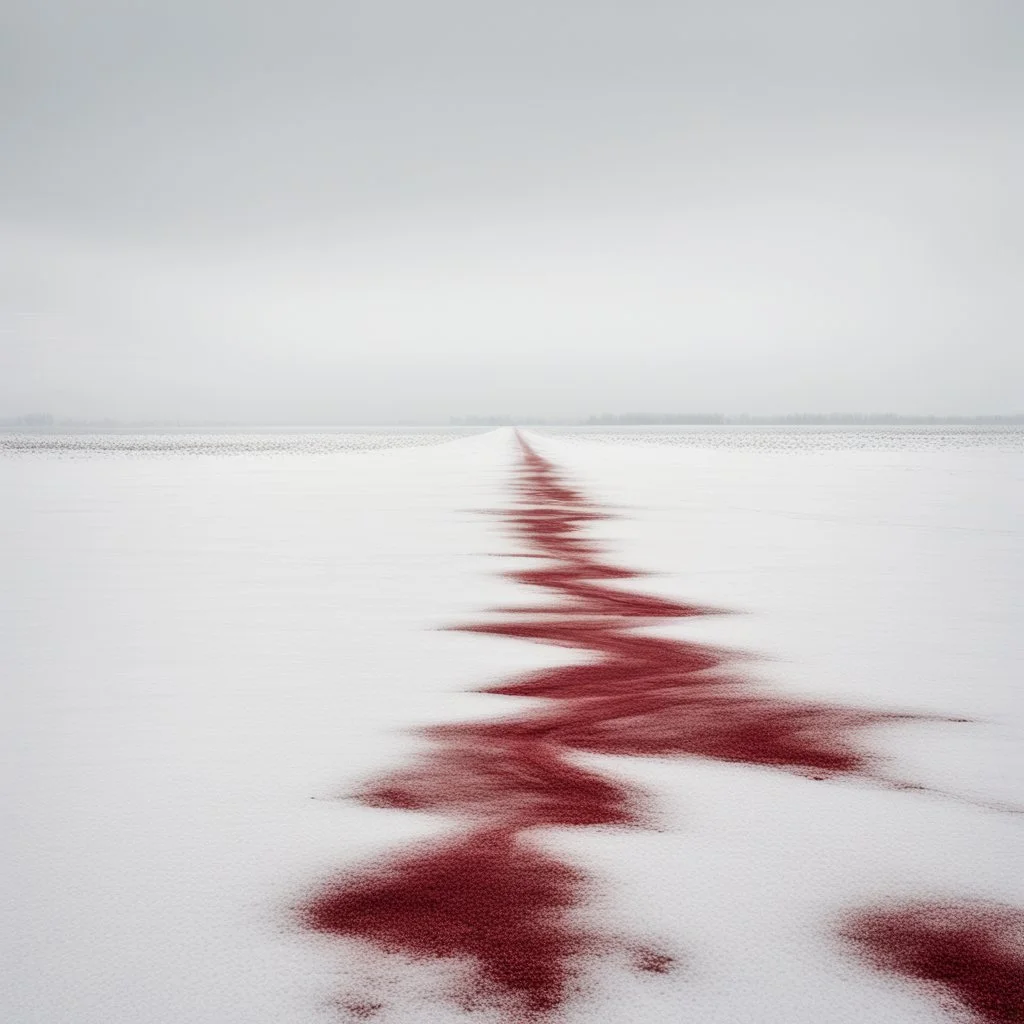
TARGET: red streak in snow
(489,898)
(971,952)
(493,898)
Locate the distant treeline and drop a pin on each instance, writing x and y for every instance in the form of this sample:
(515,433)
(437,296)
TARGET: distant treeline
(32,419)
(510,421)
(796,419)
(644,419)
(43,421)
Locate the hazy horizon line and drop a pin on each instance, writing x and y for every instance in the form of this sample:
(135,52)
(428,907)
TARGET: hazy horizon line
(49,422)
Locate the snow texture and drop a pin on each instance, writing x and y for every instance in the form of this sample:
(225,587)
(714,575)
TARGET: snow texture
(204,655)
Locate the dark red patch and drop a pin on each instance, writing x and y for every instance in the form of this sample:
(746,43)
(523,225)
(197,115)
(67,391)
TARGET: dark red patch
(650,961)
(972,952)
(363,1010)
(491,898)
(521,782)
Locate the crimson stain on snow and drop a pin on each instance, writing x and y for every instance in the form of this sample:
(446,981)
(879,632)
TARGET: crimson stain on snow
(489,898)
(518,782)
(651,961)
(493,899)
(971,952)
(363,1010)
(642,695)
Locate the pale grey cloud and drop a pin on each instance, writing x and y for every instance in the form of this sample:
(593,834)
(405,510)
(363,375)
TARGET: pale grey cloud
(315,210)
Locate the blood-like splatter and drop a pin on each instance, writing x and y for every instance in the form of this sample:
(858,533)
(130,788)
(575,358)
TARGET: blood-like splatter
(493,898)
(519,781)
(489,898)
(642,695)
(651,961)
(972,952)
(365,1010)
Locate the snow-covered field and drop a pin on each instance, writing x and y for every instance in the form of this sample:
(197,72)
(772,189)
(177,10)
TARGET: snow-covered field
(207,648)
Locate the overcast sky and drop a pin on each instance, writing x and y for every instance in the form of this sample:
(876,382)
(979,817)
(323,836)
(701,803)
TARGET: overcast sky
(326,210)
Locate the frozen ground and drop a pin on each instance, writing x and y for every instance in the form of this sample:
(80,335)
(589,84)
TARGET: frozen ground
(272,441)
(204,647)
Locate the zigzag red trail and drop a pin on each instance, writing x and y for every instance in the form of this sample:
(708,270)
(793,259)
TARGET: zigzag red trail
(493,898)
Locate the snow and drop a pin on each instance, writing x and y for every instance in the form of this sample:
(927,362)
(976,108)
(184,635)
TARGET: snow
(206,649)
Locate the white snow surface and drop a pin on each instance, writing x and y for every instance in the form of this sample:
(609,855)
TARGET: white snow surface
(202,655)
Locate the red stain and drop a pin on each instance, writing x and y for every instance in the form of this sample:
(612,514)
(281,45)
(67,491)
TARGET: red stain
(642,695)
(492,898)
(489,898)
(651,961)
(971,952)
(520,782)
(363,1011)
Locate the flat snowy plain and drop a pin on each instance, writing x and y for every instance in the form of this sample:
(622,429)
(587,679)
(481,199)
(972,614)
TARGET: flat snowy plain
(209,642)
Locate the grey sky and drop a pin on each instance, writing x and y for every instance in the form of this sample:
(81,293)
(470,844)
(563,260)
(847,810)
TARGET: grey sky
(330,210)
